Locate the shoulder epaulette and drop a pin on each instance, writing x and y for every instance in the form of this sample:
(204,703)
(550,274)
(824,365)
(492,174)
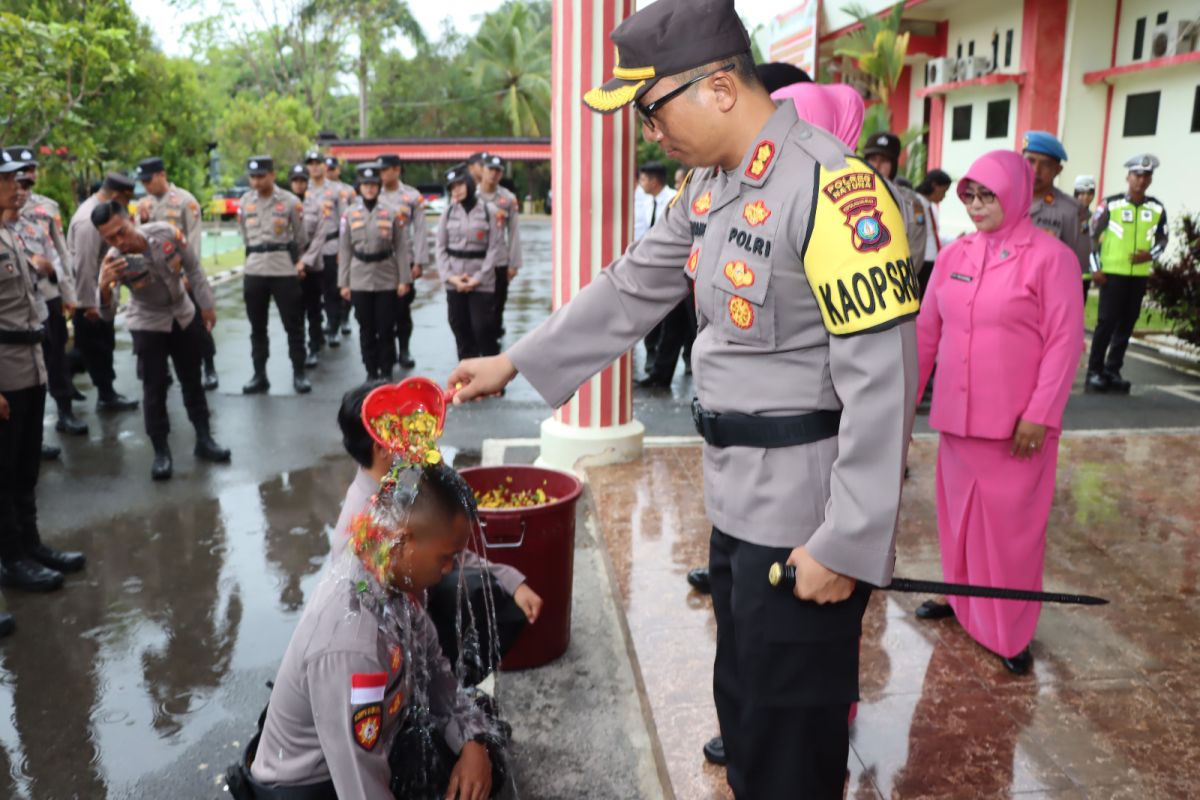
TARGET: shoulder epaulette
(680,190)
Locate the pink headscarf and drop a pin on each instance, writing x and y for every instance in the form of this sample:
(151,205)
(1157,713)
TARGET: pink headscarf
(834,107)
(1005,173)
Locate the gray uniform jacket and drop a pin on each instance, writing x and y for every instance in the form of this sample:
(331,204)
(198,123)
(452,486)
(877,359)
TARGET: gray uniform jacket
(409,202)
(178,207)
(36,242)
(1058,215)
(323,207)
(371,233)
(272,221)
(46,214)
(21,365)
(805,296)
(507,210)
(157,297)
(461,232)
(86,248)
(344,688)
(915,223)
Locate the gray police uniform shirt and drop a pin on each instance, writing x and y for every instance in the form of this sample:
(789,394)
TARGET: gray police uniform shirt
(178,207)
(345,684)
(21,365)
(274,220)
(323,207)
(507,223)
(915,223)
(45,212)
(805,298)
(408,201)
(368,232)
(1058,214)
(36,242)
(157,297)
(86,248)
(469,232)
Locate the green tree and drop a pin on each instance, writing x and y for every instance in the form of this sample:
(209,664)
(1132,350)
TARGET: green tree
(511,54)
(282,127)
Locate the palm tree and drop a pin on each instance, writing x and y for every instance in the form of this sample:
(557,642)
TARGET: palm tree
(511,53)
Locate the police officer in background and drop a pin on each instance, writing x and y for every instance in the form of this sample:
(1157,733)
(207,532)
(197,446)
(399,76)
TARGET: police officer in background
(95,337)
(25,563)
(1085,193)
(166,202)
(475,166)
(57,287)
(333,174)
(508,209)
(407,201)
(322,209)
(153,261)
(298,181)
(271,221)
(805,392)
(1053,211)
(468,246)
(374,271)
(882,152)
(1129,231)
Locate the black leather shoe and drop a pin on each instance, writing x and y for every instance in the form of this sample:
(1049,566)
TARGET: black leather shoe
(334,339)
(30,576)
(163,467)
(116,402)
(50,452)
(1020,663)
(1117,384)
(300,383)
(311,360)
(58,560)
(257,385)
(211,381)
(1097,383)
(77,395)
(7,624)
(932,609)
(714,751)
(698,578)
(69,423)
(207,449)
(653,383)
(346,328)
(406,360)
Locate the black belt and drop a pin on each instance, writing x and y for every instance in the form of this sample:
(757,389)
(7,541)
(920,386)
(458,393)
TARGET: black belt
(371,258)
(466,254)
(329,237)
(274,247)
(22,337)
(745,430)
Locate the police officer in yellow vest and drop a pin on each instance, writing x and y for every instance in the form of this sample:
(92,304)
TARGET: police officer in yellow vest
(1129,231)
(804,366)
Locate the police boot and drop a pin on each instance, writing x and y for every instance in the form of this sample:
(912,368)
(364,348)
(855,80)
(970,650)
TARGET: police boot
(210,375)
(346,326)
(115,401)
(50,452)
(163,467)
(300,383)
(207,448)
(258,384)
(311,361)
(333,338)
(30,576)
(714,751)
(7,624)
(406,360)
(698,580)
(58,560)
(1097,383)
(1117,384)
(68,422)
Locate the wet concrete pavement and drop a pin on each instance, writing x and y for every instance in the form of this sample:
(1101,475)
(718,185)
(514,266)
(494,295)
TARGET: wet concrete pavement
(144,676)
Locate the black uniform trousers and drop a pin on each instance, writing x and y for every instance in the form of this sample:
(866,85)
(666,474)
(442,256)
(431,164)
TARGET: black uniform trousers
(501,297)
(20,464)
(185,347)
(334,314)
(376,315)
(404,320)
(786,672)
(210,344)
(473,320)
(258,290)
(54,350)
(96,339)
(678,333)
(1120,306)
(310,295)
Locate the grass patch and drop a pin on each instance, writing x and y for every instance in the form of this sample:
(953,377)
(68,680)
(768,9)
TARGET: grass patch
(1150,320)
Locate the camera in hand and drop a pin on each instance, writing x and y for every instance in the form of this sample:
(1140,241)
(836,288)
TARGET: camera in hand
(135,268)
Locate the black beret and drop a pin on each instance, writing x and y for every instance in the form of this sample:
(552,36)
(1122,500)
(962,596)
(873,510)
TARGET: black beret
(884,143)
(493,161)
(369,172)
(457,173)
(332,162)
(312,156)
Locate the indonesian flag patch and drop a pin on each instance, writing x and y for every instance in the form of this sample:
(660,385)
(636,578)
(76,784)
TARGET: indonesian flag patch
(367,723)
(367,687)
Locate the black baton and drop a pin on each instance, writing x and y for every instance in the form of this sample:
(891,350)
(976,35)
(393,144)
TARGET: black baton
(785,575)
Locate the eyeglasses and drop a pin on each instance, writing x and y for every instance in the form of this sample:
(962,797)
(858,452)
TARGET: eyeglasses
(647,112)
(982,195)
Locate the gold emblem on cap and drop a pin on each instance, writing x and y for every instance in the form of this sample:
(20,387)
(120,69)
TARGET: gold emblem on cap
(606,100)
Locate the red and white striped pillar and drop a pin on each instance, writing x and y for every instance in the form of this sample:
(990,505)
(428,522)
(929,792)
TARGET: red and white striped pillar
(593,183)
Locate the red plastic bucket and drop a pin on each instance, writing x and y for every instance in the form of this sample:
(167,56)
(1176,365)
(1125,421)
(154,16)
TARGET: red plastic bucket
(540,542)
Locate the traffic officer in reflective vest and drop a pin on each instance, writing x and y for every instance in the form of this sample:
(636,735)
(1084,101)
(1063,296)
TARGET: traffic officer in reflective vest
(374,271)
(468,246)
(508,208)
(1129,231)
(272,225)
(405,199)
(805,367)
(166,202)
(1053,211)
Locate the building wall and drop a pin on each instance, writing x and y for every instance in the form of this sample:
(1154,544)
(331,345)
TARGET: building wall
(1132,10)
(1081,115)
(977,22)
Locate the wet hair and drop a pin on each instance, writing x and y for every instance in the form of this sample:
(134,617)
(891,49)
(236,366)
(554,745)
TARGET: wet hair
(355,438)
(933,178)
(441,488)
(103,213)
(778,74)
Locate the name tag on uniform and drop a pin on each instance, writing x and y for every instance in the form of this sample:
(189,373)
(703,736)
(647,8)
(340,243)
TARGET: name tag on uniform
(958,276)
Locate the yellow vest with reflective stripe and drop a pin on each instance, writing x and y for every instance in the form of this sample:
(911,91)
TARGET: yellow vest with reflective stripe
(1130,228)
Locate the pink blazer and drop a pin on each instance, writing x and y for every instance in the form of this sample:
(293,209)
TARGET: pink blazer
(1006,332)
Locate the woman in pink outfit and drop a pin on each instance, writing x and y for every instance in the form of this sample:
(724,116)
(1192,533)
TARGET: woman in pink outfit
(1003,321)
(834,107)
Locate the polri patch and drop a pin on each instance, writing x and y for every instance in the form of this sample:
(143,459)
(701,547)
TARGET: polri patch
(756,214)
(396,704)
(693,261)
(867,229)
(848,184)
(764,154)
(702,204)
(740,275)
(367,723)
(741,313)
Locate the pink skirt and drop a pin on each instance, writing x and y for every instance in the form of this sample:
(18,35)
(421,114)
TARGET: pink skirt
(992,512)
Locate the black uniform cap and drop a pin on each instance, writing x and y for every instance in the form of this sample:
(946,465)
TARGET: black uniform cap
(493,161)
(477,158)
(884,143)
(332,162)
(312,156)
(149,167)
(21,153)
(457,173)
(390,160)
(369,172)
(118,182)
(260,165)
(298,173)
(666,38)
(9,163)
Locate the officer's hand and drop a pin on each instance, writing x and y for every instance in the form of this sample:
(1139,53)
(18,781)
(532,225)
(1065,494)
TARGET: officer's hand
(209,315)
(43,266)
(345,293)
(91,314)
(5,411)
(110,271)
(1140,256)
(1099,278)
(69,310)
(512,273)
(1027,439)
(417,271)
(472,775)
(403,289)
(476,378)
(300,269)
(817,583)
(528,601)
